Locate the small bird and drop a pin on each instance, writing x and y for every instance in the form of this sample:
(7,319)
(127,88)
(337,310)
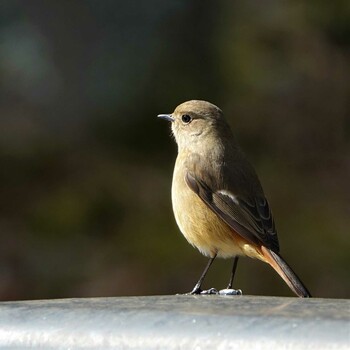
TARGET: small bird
(218,201)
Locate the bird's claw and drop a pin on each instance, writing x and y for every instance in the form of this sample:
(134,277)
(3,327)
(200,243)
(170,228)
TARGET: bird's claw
(209,291)
(230,292)
(199,291)
(213,291)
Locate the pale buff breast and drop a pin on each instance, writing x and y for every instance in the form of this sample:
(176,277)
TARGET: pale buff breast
(201,226)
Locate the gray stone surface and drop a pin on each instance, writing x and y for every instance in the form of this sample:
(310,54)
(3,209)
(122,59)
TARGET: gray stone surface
(176,322)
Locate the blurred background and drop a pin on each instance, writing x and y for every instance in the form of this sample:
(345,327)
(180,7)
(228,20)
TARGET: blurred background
(86,167)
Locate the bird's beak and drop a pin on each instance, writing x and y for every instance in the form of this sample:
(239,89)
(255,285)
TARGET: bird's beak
(167,117)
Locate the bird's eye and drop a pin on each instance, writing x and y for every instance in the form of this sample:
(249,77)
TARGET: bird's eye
(186,118)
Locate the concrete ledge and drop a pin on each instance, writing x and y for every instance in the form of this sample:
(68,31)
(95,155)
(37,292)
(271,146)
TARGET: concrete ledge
(176,322)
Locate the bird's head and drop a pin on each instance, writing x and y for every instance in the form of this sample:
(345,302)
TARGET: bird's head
(196,121)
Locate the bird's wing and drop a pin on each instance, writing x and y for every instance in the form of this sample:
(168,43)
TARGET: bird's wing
(249,217)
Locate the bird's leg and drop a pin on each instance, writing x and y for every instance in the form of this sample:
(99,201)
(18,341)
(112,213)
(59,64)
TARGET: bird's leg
(197,288)
(229,290)
(233,272)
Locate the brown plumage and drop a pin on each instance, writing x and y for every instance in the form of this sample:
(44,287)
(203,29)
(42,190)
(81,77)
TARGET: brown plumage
(218,202)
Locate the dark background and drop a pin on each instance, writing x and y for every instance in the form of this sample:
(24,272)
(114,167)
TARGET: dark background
(85,166)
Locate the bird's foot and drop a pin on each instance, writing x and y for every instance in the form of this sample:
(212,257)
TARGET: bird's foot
(210,291)
(198,291)
(230,291)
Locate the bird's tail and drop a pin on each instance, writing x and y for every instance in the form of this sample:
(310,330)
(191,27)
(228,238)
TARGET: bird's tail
(284,270)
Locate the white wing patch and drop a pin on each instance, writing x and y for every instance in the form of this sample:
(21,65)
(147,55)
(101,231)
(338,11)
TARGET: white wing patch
(230,195)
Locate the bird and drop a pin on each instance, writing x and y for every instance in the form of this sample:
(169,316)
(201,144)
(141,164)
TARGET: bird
(218,201)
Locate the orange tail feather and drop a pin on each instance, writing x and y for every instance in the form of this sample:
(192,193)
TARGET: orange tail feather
(284,270)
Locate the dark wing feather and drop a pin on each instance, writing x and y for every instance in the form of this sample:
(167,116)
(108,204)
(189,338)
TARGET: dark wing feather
(251,218)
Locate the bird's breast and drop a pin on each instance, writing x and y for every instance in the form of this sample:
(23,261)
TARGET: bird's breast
(198,223)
